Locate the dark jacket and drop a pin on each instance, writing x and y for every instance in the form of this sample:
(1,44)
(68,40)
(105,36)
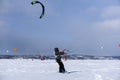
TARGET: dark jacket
(58,53)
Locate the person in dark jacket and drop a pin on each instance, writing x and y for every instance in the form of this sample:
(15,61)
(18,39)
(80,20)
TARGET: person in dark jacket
(58,60)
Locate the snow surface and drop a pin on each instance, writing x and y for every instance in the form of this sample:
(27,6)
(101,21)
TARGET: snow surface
(16,69)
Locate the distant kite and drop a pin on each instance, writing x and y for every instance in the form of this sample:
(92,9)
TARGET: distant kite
(119,45)
(7,51)
(15,49)
(102,47)
(43,8)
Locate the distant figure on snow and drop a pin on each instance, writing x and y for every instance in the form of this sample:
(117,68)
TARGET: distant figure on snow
(58,59)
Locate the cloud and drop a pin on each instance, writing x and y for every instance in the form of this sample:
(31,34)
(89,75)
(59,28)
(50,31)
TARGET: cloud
(111,12)
(5,6)
(13,6)
(109,19)
(91,10)
(108,24)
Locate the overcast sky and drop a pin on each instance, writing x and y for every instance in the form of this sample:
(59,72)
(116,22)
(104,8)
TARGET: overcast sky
(89,27)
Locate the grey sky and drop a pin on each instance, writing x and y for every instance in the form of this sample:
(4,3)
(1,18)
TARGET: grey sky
(83,26)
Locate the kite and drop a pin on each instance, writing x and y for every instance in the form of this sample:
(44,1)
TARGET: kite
(15,49)
(43,8)
(119,45)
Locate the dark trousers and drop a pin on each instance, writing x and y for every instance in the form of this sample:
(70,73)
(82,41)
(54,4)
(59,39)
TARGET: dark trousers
(61,65)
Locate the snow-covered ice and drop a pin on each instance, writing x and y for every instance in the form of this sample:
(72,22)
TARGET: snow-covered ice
(16,69)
